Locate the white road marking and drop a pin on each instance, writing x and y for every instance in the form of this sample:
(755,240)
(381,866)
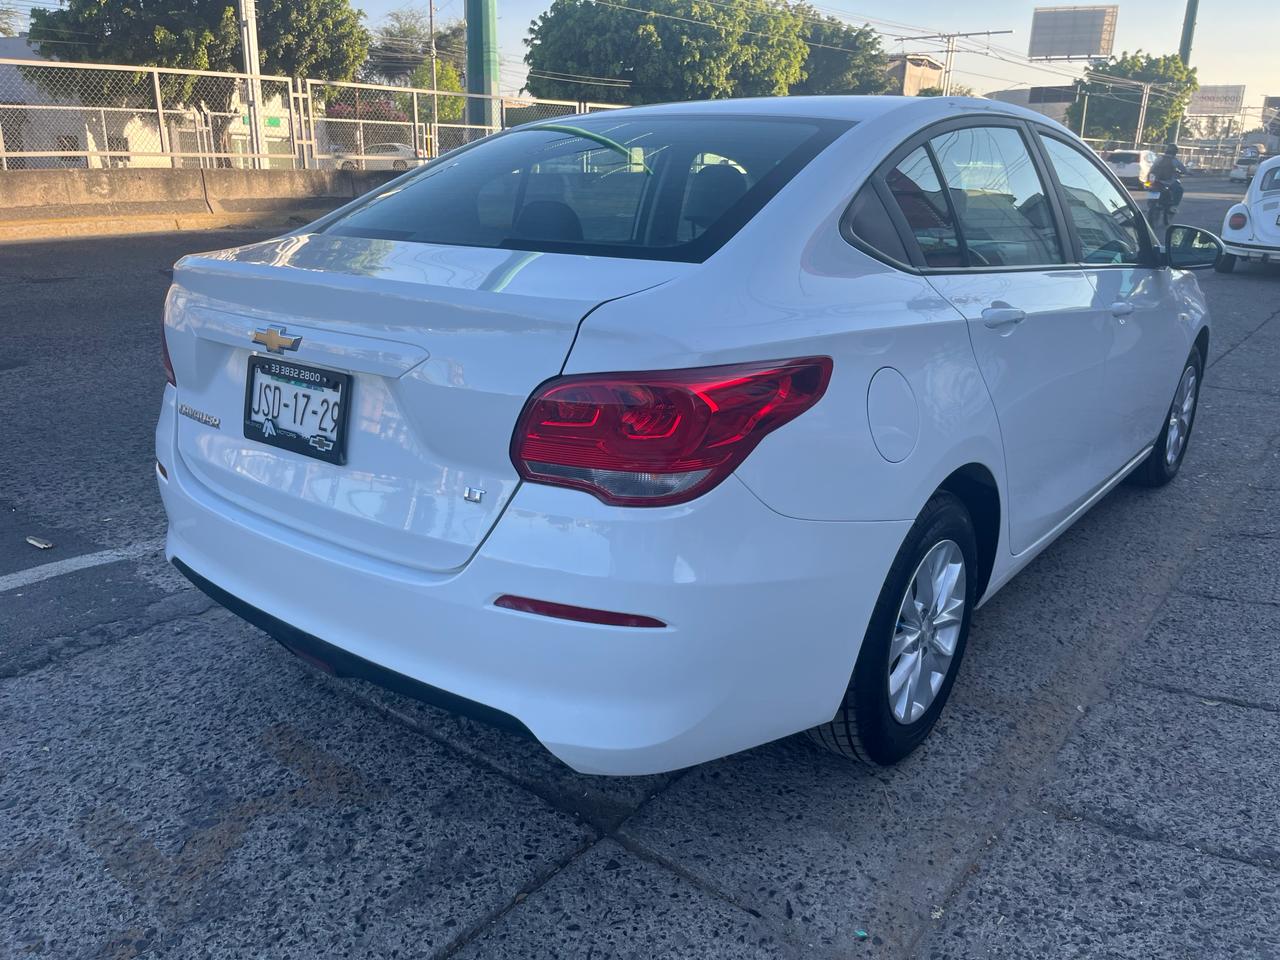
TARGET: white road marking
(24,578)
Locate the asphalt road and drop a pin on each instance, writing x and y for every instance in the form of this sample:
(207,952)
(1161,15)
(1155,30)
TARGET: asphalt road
(173,784)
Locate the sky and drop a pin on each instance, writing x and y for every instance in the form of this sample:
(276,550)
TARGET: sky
(1237,42)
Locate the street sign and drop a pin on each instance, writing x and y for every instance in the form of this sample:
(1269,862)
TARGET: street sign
(1222,100)
(1064,33)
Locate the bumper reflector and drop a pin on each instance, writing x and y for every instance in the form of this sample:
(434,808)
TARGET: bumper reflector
(563,611)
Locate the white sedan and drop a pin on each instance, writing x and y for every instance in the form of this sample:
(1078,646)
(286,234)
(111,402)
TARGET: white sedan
(1251,229)
(665,432)
(1133,167)
(382,156)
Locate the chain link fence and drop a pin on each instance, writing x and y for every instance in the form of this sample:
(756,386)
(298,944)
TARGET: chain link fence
(100,116)
(1208,158)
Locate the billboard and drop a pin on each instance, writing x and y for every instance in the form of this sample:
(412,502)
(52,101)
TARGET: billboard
(1216,101)
(1069,32)
(1270,106)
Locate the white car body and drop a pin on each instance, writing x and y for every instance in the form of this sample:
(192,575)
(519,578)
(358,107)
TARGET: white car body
(765,583)
(382,156)
(1258,238)
(1133,167)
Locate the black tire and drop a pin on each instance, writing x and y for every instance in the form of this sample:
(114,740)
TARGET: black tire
(348,165)
(399,165)
(864,728)
(1158,469)
(1226,263)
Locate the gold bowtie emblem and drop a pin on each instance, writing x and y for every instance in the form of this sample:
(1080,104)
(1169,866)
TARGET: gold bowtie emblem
(275,340)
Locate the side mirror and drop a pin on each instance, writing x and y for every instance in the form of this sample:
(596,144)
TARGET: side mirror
(1190,248)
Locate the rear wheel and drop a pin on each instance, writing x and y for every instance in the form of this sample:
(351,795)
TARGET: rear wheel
(1226,263)
(1166,456)
(914,642)
(399,165)
(348,165)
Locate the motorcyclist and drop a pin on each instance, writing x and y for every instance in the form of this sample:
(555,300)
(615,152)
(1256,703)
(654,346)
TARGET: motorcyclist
(1165,172)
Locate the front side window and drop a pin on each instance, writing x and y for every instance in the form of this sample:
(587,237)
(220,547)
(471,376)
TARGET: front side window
(1005,216)
(915,186)
(1107,223)
(652,187)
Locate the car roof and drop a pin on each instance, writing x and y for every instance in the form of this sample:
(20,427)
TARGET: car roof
(922,109)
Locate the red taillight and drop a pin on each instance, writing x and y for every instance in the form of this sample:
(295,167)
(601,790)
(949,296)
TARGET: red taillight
(563,611)
(658,438)
(1237,221)
(164,356)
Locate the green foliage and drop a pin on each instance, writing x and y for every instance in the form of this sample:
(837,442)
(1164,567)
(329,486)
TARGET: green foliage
(1113,109)
(316,38)
(402,43)
(957,90)
(697,49)
(447,78)
(856,67)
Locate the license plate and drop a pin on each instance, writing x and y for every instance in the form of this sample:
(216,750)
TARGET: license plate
(1154,194)
(297,407)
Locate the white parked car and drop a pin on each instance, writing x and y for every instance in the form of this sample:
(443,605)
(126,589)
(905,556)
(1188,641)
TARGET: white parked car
(1251,229)
(1244,169)
(382,156)
(670,431)
(1133,167)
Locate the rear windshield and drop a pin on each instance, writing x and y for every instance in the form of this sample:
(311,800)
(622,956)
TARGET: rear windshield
(664,188)
(1123,158)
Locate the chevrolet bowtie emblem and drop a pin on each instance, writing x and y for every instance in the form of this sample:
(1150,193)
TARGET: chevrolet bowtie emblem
(275,340)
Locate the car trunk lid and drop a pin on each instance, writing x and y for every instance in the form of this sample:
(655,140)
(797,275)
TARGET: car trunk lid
(443,345)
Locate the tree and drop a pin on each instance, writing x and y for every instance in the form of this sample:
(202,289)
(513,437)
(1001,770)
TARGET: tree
(402,43)
(957,90)
(1114,107)
(660,50)
(324,39)
(857,66)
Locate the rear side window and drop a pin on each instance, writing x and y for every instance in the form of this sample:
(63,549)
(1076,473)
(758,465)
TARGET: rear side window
(651,187)
(915,186)
(869,222)
(1270,180)
(1004,212)
(1106,222)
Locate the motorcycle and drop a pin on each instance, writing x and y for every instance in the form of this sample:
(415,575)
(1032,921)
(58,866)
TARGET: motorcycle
(1160,208)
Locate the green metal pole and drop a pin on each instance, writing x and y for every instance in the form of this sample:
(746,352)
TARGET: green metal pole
(482,61)
(1188,32)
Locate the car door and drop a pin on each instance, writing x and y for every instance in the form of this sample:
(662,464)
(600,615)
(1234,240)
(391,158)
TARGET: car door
(992,244)
(1134,297)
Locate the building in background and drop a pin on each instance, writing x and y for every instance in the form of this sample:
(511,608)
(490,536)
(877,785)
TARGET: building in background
(913,72)
(1051,104)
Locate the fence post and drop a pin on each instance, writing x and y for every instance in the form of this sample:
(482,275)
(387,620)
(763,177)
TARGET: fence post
(164,131)
(293,126)
(4,159)
(417,133)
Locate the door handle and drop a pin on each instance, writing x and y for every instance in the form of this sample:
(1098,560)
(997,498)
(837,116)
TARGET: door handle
(1121,308)
(997,317)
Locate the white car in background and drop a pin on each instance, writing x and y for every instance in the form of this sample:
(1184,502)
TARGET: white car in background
(382,156)
(1244,169)
(1251,229)
(668,431)
(1133,167)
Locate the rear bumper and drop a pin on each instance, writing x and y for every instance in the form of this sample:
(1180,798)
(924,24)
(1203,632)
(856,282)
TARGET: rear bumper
(765,615)
(1252,251)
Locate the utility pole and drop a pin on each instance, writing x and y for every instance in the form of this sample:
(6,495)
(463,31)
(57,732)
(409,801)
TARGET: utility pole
(1142,114)
(1084,106)
(1188,32)
(435,97)
(949,39)
(482,62)
(252,67)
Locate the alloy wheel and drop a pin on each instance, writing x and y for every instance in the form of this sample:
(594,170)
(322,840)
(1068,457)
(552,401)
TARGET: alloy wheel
(1180,415)
(927,631)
